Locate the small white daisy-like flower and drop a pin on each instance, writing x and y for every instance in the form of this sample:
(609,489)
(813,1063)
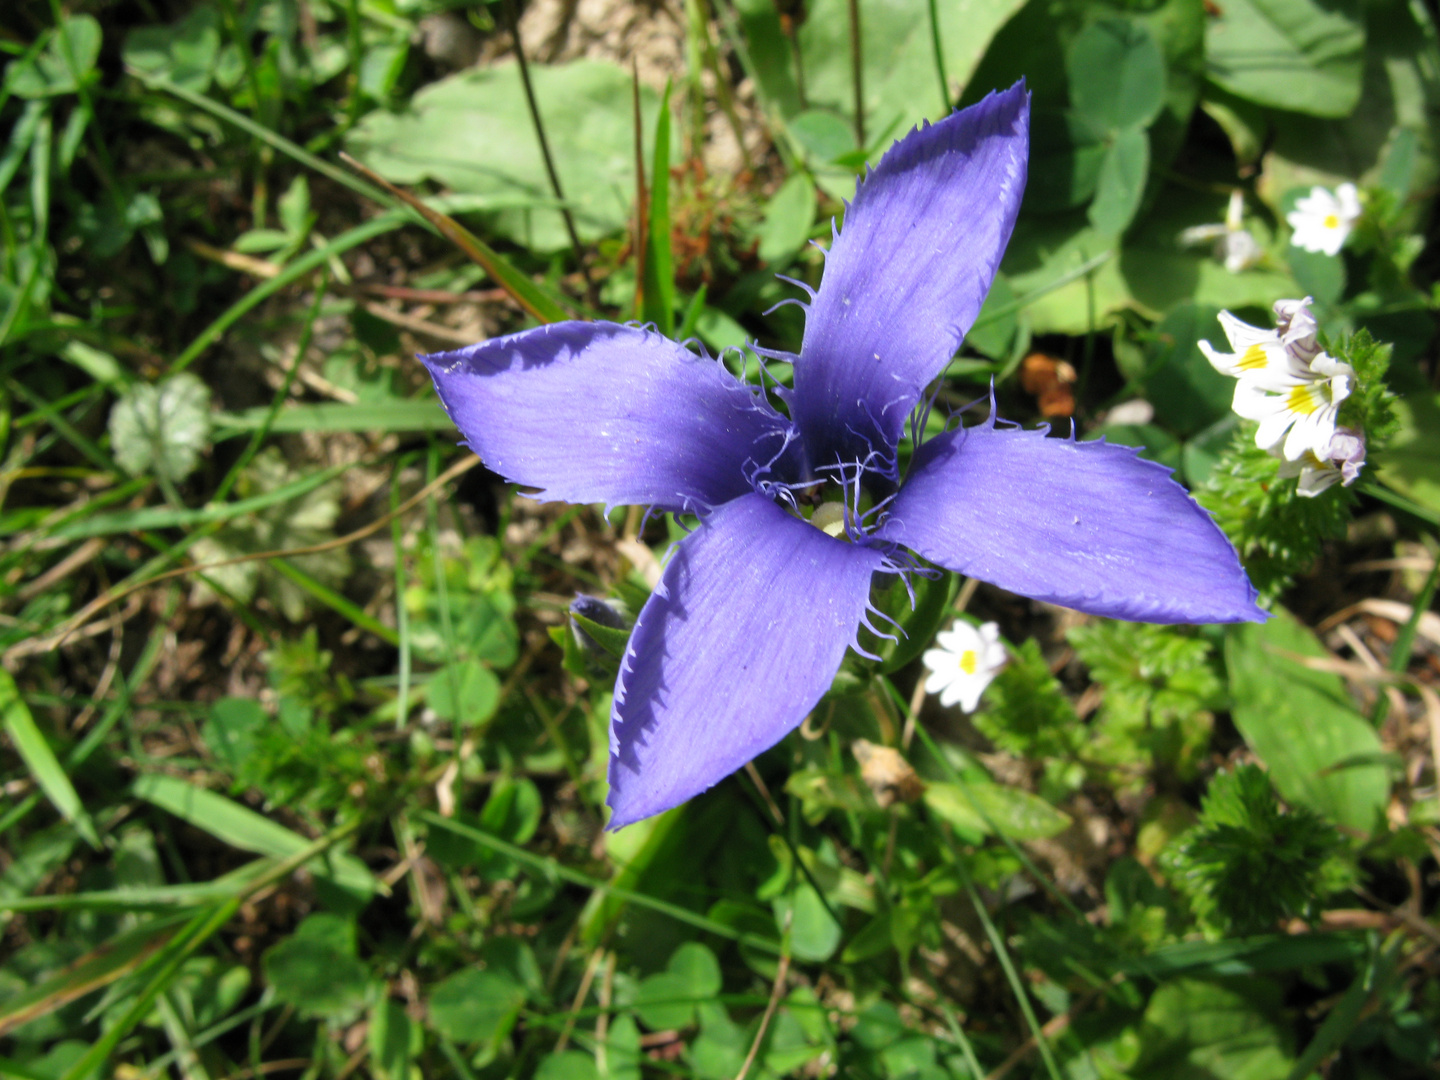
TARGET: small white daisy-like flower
(1323,219)
(966,660)
(1297,413)
(1341,463)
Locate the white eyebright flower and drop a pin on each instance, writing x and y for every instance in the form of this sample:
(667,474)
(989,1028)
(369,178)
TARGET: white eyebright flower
(1323,219)
(1297,413)
(966,660)
(1341,463)
(1265,356)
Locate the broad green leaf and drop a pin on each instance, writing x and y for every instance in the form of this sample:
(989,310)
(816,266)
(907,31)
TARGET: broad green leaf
(232,729)
(71,54)
(1018,814)
(243,828)
(814,933)
(473,1007)
(389,1038)
(1152,275)
(902,86)
(668,1000)
(788,217)
(1195,1029)
(1411,464)
(568,1065)
(1301,723)
(466,691)
(1117,74)
(1394,118)
(1186,390)
(972,808)
(40,760)
(1121,182)
(1066,154)
(822,134)
(162,428)
(472,132)
(315,968)
(1300,55)
(183,52)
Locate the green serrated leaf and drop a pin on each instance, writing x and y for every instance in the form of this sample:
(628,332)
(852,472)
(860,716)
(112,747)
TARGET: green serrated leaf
(315,968)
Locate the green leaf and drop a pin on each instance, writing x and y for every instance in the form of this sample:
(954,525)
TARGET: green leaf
(659,271)
(466,691)
(1186,390)
(233,729)
(1301,55)
(315,969)
(395,415)
(788,217)
(898,57)
(975,807)
(44,766)
(1301,722)
(1117,75)
(667,1000)
(71,53)
(1411,464)
(568,1065)
(243,828)
(1121,182)
(472,133)
(162,428)
(183,52)
(1209,1029)
(814,933)
(473,1007)
(389,1037)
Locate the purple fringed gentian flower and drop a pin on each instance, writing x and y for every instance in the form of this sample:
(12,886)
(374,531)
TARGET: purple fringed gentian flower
(758,605)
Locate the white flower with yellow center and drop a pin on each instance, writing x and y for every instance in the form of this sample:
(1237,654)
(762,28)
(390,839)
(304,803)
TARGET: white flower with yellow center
(1323,219)
(1263,357)
(1297,413)
(966,660)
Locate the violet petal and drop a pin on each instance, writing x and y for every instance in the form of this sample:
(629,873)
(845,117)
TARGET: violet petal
(599,412)
(906,275)
(1087,525)
(735,647)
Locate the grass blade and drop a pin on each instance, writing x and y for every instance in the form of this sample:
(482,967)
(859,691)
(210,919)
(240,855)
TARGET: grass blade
(243,828)
(525,292)
(658,269)
(44,766)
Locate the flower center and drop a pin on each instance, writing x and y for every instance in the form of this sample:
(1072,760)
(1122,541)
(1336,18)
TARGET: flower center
(829,518)
(968,661)
(1254,358)
(1304,400)
(1332,221)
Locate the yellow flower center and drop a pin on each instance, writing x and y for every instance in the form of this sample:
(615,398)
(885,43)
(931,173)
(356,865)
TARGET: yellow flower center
(1332,221)
(829,518)
(1253,358)
(968,661)
(1303,400)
